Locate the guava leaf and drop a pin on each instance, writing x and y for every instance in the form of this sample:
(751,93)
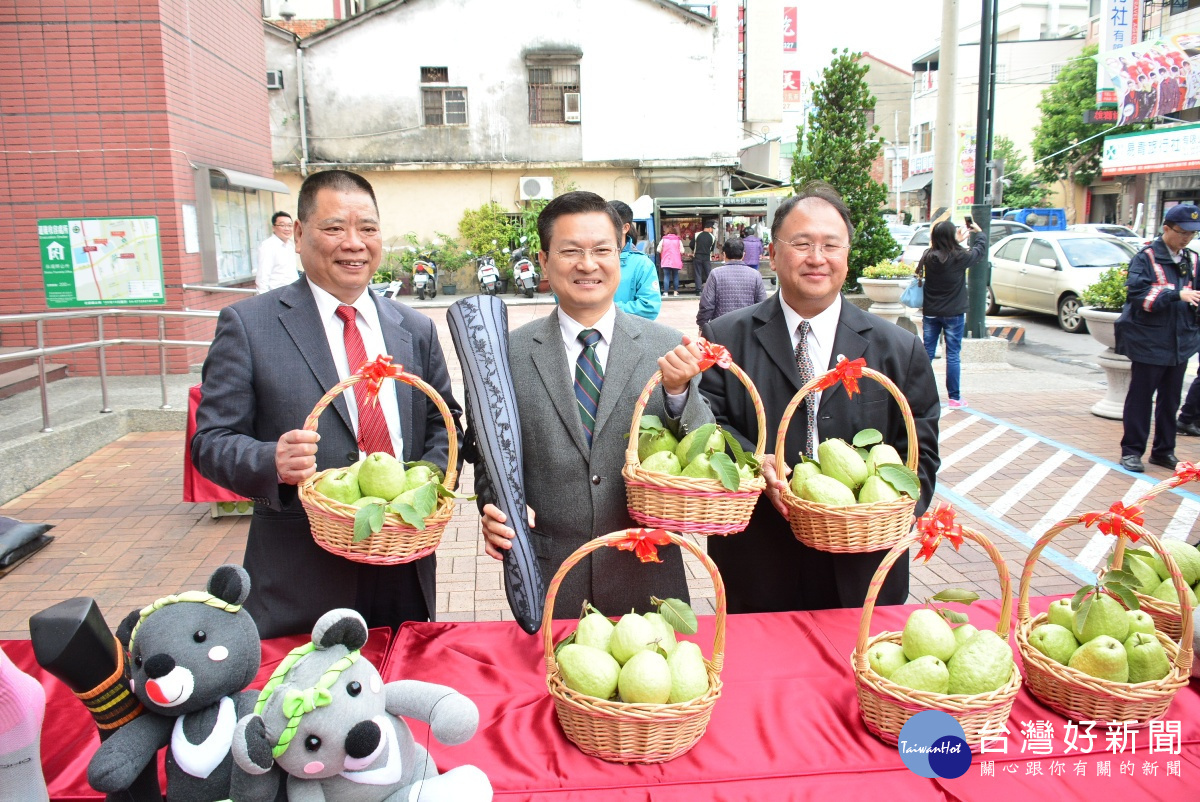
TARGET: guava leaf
(727,472)
(862,452)
(558,646)
(751,462)
(650,423)
(802,458)
(1081,615)
(956,595)
(410,515)
(900,477)
(438,472)
(588,609)
(1148,555)
(1126,595)
(445,492)
(700,440)
(425,499)
(1121,576)
(367,521)
(678,614)
(868,437)
(1078,598)
(739,453)
(953,616)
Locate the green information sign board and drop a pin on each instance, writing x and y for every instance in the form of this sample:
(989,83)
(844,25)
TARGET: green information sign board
(102,261)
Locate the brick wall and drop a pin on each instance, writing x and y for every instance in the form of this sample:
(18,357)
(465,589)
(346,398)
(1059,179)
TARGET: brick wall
(107,105)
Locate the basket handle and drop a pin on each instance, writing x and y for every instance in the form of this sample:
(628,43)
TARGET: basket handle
(760,414)
(611,540)
(1184,472)
(1183,660)
(785,423)
(912,539)
(310,423)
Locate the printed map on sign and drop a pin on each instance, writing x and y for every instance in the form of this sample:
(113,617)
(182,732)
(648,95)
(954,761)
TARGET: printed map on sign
(108,261)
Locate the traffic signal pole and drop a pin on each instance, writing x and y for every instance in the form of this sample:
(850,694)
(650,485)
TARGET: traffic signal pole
(979,274)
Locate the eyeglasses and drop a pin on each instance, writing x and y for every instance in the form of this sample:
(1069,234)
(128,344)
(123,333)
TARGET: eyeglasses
(575,255)
(805,248)
(1183,233)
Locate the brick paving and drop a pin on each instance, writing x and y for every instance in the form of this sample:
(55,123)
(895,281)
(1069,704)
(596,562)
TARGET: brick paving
(124,537)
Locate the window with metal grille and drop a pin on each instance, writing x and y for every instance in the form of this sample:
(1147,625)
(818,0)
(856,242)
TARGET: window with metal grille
(435,75)
(547,85)
(445,106)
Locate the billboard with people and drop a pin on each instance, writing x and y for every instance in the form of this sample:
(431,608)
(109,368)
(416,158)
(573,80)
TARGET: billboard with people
(1155,78)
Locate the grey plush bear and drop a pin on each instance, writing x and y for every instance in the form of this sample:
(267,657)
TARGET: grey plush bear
(327,719)
(190,657)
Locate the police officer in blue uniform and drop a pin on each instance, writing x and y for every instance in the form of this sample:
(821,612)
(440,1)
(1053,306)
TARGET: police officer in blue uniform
(1159,332)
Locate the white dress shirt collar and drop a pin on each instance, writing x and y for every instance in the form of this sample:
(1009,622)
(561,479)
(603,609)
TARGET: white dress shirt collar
(327,306)
(570,327)
(822,330)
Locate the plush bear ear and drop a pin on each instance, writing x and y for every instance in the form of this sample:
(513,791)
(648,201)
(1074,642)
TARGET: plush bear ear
(230,583)
(125,628)
(342,626)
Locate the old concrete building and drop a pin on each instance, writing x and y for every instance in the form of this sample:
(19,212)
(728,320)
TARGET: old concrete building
(448,104)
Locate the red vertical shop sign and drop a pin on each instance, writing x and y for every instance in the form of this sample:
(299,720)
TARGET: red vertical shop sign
(789,29)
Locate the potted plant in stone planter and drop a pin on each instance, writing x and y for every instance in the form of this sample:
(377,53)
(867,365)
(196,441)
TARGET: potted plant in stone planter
(884,283)
(1102,306)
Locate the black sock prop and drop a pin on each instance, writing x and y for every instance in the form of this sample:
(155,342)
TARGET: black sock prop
(72,641)
(479,327)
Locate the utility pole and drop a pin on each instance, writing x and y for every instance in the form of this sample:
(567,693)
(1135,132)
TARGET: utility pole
(896,162)
(944,137)
(979,274)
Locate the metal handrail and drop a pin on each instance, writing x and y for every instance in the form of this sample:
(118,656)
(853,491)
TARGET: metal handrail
(101,344)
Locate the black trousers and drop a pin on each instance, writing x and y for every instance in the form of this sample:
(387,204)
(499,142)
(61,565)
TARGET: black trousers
(1190,411)
(390,595)
(1146,381)
(700,270)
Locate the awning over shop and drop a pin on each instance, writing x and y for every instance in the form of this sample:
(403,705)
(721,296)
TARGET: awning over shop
(915,182)
(250,181)
(741,180)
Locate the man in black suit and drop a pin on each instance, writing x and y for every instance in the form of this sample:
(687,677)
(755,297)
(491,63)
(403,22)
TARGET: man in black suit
(273,357)
(765,568)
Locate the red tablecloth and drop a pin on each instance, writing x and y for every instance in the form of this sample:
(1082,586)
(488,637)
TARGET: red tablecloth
(195,487)
(69,738)
(786,727)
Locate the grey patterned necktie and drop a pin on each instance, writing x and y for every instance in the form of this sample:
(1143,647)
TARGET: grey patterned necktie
(807,373)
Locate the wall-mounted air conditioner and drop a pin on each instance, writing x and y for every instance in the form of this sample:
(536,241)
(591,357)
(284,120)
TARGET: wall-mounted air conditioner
(537,187)
(571,107)
(274,79)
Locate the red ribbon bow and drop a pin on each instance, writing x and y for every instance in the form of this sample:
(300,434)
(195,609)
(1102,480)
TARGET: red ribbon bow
(644,543)
(713,354)
(847,372)
(936,524)
(1185,472)
(373,373)
(1113,521)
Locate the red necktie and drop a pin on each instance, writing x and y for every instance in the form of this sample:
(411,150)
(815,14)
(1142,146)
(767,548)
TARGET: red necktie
(372,428)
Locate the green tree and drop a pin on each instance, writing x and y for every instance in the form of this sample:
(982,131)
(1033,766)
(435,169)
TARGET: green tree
(486,230)
(1059,145)
(839,148)
(1021,188)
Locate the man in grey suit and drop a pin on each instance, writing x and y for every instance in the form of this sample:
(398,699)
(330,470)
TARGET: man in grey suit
(272,359)
(573,479)
(765,568)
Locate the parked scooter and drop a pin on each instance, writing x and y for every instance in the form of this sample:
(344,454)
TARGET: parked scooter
(487,274)
(424,281)
(525,275)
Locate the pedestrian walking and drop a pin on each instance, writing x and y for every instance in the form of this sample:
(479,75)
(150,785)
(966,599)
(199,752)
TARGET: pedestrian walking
(670,252)
(702,247)
(943,268)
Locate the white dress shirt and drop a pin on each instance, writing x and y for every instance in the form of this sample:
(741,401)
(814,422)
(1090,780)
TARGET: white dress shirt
(276,264)
(372,336)
(822,329)
(570,328)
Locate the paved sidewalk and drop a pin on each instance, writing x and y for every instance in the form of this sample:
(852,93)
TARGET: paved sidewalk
(124,537)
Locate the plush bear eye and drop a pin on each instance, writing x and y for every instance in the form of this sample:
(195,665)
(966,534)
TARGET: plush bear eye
(137,660)
(354,688)
(200,636)
(312,743)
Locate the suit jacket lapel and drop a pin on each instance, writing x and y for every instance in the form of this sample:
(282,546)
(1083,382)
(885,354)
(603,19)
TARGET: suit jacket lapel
(302,322)
(623,358)
(775,339)
(850,342)
(550,360)
(398,342)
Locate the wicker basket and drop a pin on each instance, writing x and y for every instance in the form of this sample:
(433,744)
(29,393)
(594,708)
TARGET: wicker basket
(622,732)
(1085,698)
(683,503)
(861,527)
(332,522)
(886,706)
(1166,615)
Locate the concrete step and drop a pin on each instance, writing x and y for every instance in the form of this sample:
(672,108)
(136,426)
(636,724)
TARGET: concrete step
(5,367)
(24,378)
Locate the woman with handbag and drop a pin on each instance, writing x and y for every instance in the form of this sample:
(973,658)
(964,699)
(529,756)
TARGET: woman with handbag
(943,273)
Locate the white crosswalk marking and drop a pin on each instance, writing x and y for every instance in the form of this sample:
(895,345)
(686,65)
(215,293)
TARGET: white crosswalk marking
(1183,521)
(973,446)
(1034,478)
(1067,504)
(958,427)
(983,474)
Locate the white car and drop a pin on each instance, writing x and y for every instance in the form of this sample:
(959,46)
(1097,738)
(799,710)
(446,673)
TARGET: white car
(1111,230)
(900,233)
(919,242)
(1047,271)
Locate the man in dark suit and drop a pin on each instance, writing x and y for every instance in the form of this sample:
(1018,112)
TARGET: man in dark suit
(272,359)
(573,456)
(765,568)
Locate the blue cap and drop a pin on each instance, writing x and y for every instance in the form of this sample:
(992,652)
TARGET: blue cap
(1185,215)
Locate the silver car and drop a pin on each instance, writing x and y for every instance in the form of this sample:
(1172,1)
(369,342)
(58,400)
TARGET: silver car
(1111,230)
(919,242)
(1047,271)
